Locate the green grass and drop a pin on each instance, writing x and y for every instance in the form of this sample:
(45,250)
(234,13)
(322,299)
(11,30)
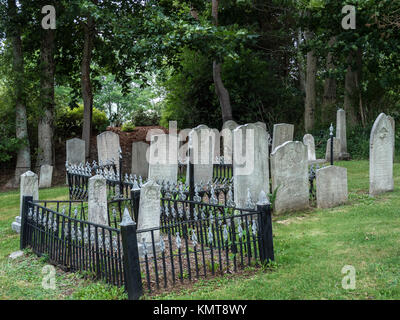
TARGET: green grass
(311,249)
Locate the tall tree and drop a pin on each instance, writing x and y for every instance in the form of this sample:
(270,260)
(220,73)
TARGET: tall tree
(14,34)
(330,86)
(311,94)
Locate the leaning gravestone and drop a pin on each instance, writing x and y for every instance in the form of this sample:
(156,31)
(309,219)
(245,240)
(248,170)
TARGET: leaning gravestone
(250,163)
(381,156)
(163,158)
(46,175)
(75,151)
(336,150)
(29,186)
(331,185)
(97,200)
(149,217)
(227,138)
(308,140)
(282,132)
(289,172)
(140,165)
(201,141)
(108,147)
(341,134)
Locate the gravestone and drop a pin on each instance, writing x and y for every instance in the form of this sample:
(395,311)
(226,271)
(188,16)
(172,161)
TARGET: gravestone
(282,132)
(227,140)
(341,134)
(289,172)
(29,186)
(216,142)
(331,186)
(75,151)
(149,216)
(201,140)
(108,147)
(250,163)
(336,150)
(381,156)
(393,123)
(140,166)
(163,158)
(97,200)
(308,140)
(261,124)
(46,175)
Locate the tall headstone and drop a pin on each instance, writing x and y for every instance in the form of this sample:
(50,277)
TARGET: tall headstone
(149,215)
(163,158)
(29,186)
(336,149)
(76,151)
(381,156)
(261,124)
(140,165)
(341,134)
(97,200)
(250,163)
(108,147)
(227,140)
(308,140)
(393,123)
(331,186)
(201,140)
(46,176)
(216,142)
(289,172)
(282,132)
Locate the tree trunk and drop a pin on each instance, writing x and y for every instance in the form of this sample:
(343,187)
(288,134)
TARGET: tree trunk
(309,110)
(23,157)
(86,85)
(220,90)
(351,96)
(45,126)
(300,63)
(329,99)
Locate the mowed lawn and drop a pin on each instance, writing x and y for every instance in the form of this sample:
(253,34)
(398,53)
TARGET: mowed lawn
(311,248)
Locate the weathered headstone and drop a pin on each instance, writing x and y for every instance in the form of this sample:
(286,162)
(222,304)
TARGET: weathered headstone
(336,149)
(163,158)
(140,165)
(97,200)
(227,140)
(261,124)
(381,156)
(108,147)
(331,186)
(216,142)
(282,132)
(76,151)
(250,163)
(149,216)
(308,140)
(201,140)
(29,186)
(393,123)
(289,172)
(46,175)
(341,134)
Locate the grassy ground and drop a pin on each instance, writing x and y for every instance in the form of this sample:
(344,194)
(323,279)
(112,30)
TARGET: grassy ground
(311,248)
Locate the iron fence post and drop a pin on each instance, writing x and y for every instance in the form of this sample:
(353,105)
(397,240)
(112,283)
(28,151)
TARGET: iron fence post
(265,231)
(133,280)
(331,135)
(135,198)
(25,209)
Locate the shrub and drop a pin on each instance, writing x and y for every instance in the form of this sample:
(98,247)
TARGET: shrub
(128,126)
(69,121)
(145,117)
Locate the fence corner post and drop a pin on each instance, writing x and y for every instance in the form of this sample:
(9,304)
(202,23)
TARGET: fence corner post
(265,228)
(135,198)
(133,280)
(24,214)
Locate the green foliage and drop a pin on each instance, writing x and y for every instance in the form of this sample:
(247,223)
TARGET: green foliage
(145,117)
(100,291)
(69,121)
(358,142)
(128,126)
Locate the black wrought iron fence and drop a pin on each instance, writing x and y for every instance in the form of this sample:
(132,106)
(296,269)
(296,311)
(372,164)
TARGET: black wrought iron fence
(71,242)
